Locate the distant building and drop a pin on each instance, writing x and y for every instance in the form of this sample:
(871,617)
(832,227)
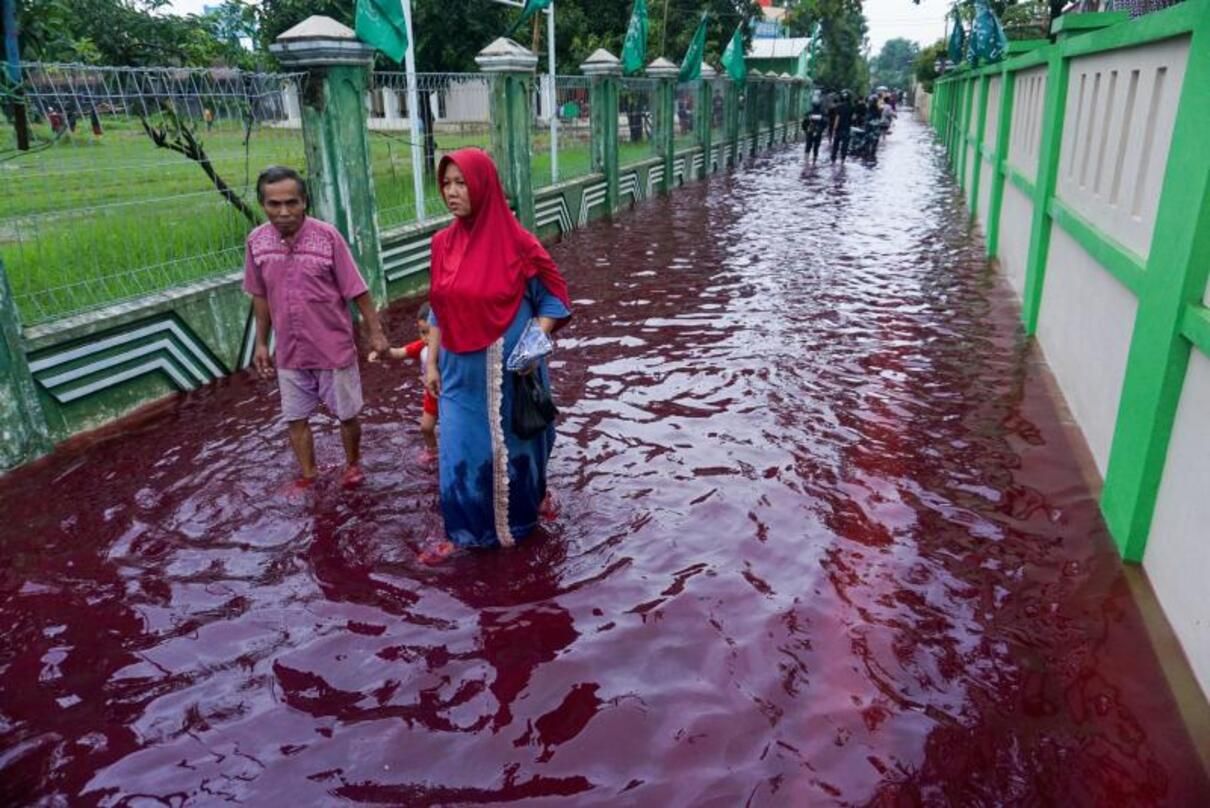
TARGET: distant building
(783,55)
(771,24)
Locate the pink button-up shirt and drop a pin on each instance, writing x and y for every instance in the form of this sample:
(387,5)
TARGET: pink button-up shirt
(307,283)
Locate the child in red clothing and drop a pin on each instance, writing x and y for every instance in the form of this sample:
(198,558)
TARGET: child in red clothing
(418,351)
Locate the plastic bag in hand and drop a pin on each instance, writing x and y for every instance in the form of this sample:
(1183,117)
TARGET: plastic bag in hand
(531,348)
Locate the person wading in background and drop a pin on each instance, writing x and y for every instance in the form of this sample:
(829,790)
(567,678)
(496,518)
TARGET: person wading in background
(301,276)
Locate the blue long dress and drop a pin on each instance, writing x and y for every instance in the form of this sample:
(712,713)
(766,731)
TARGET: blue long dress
(492,481)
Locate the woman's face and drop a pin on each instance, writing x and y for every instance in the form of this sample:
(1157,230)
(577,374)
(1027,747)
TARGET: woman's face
(454,191)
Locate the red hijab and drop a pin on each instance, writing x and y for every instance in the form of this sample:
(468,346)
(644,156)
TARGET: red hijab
(481,263)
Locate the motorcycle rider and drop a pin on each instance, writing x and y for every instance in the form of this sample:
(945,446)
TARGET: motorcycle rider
(813,125)
(842,120)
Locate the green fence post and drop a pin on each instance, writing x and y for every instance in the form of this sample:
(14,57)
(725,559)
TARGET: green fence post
(604,71)
(1004,125)
(664,125)
(24,434)
(769,91)
(705,116)
(510,70)
(1054,107)
(783,104)
(982,84)
(1178,263)
(336,135)
(752,100)
(732,119)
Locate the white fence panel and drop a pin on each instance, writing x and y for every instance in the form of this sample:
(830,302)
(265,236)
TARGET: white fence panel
(1178,555)
(1121,107)
(1029,94)
(1084,326)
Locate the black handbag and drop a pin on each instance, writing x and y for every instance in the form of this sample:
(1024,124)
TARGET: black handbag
(533,409)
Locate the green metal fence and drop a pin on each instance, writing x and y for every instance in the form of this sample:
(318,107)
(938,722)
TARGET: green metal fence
(139,179)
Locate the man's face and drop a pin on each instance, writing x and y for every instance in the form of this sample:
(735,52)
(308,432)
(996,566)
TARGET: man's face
(284,205)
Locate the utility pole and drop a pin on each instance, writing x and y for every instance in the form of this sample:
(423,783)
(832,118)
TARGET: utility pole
(12,57)
(664,31)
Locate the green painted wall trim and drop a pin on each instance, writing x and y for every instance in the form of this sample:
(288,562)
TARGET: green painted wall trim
(980,131)
(1174,21)
(1053,110)
(999,159)
(1022,183)
(1070,24)
(1019,46)
(1195,327)
(1120,262)
(1178,265)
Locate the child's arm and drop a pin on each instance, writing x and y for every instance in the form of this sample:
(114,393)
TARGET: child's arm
(391,353)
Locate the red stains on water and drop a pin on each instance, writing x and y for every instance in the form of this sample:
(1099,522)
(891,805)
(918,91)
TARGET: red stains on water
(821,540)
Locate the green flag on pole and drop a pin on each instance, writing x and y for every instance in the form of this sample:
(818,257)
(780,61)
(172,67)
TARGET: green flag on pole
(691,65)
(531,8)
(634,50)
(957,43)
(733,56)
(380,23)
(988,43)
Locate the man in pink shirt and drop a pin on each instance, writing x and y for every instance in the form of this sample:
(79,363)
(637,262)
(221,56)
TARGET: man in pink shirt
(301,276)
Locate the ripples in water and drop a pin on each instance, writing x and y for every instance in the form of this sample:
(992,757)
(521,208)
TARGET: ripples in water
(822,539)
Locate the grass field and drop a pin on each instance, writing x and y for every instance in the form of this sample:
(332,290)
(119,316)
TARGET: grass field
(92,220)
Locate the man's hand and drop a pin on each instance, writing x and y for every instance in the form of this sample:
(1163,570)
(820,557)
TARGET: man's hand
(263,362)
(378,342)
(432,380)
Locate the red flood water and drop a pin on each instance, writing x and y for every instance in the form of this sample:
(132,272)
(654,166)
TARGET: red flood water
(822,541)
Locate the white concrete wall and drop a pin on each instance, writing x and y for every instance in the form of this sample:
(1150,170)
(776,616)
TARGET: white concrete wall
(1016,219)
(985,192)
(1029,93)
(972,162)
(467,102)
(1121,107)
(1177,559)
(1084,327)
(993,113)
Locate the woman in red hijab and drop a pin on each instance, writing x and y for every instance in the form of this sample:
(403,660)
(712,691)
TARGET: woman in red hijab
(489,278)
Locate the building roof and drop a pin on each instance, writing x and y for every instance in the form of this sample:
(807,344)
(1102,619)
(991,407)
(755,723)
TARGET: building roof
(786,48)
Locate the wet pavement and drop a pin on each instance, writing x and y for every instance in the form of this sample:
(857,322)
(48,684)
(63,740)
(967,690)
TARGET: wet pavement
(823,540)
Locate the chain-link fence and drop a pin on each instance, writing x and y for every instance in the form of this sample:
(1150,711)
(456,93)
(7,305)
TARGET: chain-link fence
(636,108)
(137,179)
(453,112)
(571,133)
(718,106)
(686,109)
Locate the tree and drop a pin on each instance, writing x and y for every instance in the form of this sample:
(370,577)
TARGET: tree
(124,32)
(895,65)
(926,64)
(840,63)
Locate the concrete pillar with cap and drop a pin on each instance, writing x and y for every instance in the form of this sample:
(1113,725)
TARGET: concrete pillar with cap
(604,71)
(336,135)
(705,115)
(510,69)
(664,125)
(24,433)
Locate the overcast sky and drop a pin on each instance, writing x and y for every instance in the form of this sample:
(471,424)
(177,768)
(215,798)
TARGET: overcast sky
(924,23)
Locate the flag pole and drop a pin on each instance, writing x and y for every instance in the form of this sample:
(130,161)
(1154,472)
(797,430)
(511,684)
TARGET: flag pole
(550,94)
(414,113)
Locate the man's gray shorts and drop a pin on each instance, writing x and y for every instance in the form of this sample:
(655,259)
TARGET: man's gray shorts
(303,390)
